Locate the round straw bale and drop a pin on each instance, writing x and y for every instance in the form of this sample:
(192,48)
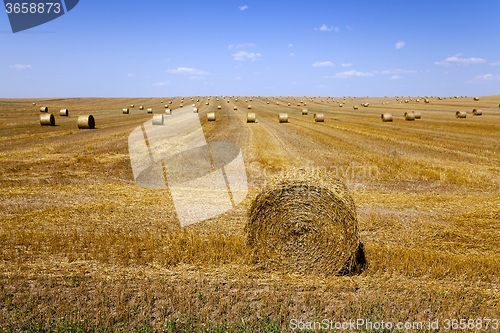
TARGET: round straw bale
(298,104)
(288,104)
(47,120)
(170,102)
(355,107)
(181,106)
(386,117)
(141,107)
(267,102)
(195,110)
(426,100)
(34,103)
(250,117)
(319,117)
(132,106)
(150,110)
(461,114)
(236,108)
(219,107)
(283,117)
(249,107)
(86,122)
(410,115)
(476,98)
(477,112)
(211,116)
(206,103)
(305,104)
(303,221)
(158,119)
(44,109)
(418,115)
(366,104)
(126,111)
(166,106)
(278,103)
(64,112)
(304,112)
(341,104)
(161,102)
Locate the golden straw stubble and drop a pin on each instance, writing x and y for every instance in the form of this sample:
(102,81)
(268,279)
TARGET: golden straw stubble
(303,221)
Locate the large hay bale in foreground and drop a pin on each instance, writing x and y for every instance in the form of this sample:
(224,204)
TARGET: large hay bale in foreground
(250,117)
(461,114)
(158,119)
(303,221)
(47,120)
(477,112)
(410,115)
(319,117)
(283,117)
(86,122)
(386,117)
(211,116)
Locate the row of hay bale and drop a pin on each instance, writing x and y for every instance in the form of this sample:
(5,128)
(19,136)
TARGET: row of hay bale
(62,112)
(83,122)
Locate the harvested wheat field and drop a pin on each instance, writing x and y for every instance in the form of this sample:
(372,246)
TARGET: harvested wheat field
(83,244)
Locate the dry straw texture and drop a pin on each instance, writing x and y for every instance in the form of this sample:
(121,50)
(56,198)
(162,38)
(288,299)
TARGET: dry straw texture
(461,114)
(304,112)
(125,111)
(211,116)
(250,117)
(303,221)
(86,122)
(477,112)
(158,119)
(410,115)
(319,117)
(47,120)
(44,109)
(386,117)
(283,117)
(64,112)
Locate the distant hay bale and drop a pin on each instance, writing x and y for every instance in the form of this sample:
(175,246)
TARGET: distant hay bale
(477,112)
(407,101)
(267,102)
(195,110)
(250,99)
(211,116)
(283,117)
(476,98)
(86,122)
(386,117)
(166,106)
(132,106)
(170,102)
(227,101)
(410,115)
(298,104)
(219,107)
(418,115)
(64,112)
(181,106)
(150,110)
(250,117)
(277,103)
(141,107)
(319,117)
(461,114)
(126,111)
(355,107)
(426,100)
(206,103)
(158,119)
(47,120)
(161,102)
(341,104)
(34,103)
(249,107)
(304,221)
(418,99)
(236,108)
(304,112)
(305,104)
(44,109)
(288,104)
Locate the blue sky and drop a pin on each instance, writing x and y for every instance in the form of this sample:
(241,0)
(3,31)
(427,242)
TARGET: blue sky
(268,48)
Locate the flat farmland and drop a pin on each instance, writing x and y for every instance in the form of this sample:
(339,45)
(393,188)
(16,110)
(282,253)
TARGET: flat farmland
(82,244)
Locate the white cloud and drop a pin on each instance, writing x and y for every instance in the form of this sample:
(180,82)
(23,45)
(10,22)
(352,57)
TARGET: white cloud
(348,74)
(243,7)
(346,65)
(243,55)
(186,70)
(494,63)
(240,46)
(323,64)
(290,45)
(325,28)
(399,45)
(396,77)
(161,84)
(20,67)
(488,77)
(130,75)
(461,61)
(292,54)
(398,71)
